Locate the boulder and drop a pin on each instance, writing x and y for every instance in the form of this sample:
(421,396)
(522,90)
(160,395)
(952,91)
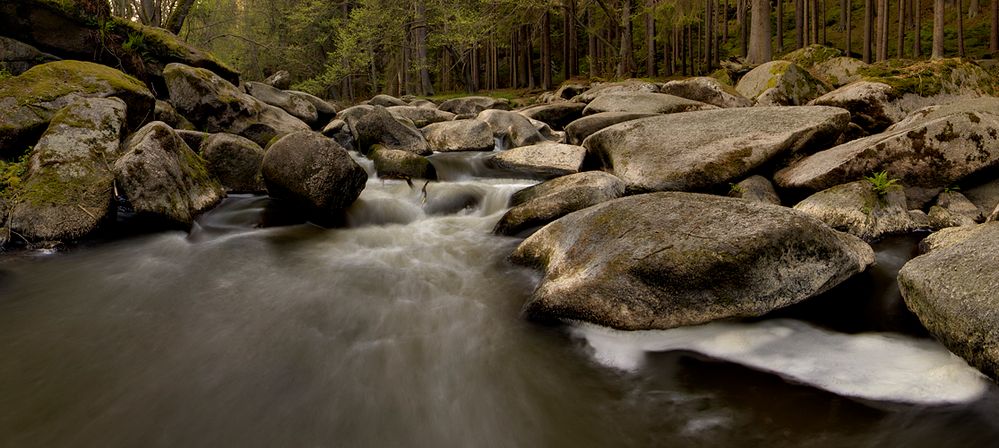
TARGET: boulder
(324,109)
(166,113)
(68,189)
(984,195)
(471,106)
(426,104)
(281,79)
(757,189)
(398,164)
(930,149)
(557,115)
(707,149)
(545,202)
(932,82)
(643,103)
(297,106)
(870,104)
(839,71)
(568,91)
(60,28)
(28,101)
(547,132)
(812,55)
(17,57)
(312,172)
(420,116)
(780,83)
(338,130)
(513,129)
(856,209)
(628,86)
(194,139)
(215,105)
(578,130)
(706,90)
(953,209)
(235,161)
(163,179)
(386,101)
(545,160)
(379,127)
(460,135)
(952,290)
(665,260)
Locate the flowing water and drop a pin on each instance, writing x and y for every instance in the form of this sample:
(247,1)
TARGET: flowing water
(402,328)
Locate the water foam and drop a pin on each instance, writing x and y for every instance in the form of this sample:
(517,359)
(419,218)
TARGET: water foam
(874,366)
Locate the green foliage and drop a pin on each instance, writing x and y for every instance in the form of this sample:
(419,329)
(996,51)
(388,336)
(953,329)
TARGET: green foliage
(5,74)
(952,189)
(881,184)
(135,44)
(12,174)
(734,189)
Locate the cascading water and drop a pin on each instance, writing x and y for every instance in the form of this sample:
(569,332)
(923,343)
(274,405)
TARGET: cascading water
(403,329)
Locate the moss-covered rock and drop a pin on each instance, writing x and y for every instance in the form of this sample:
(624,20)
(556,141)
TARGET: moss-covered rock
(420,116)
(398,164)
(933,77)
(543,203)
(68,189)
(511,128)
(870,105)
(780,83)
(839,71)
(163,179)
(757,189)
(628,86)
(470,106)
(166,113)
(60,28)
(28,101)
(378,127)
(811,55)
(235,161)
(664,260)
(856,209)
(557,115)
(953,209)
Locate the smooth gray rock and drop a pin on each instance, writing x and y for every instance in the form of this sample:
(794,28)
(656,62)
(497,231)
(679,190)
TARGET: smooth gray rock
(324,109)
(706,149)
(312,172)
(420,116)
(578,130)
(512,128)
(379,127)
(386,101)
(870,104)
(235,161)
(643,103)
(665,260)
(18,57)
(557,115)
(163,178)
(545,160)
(166,113)
(545,202)
(856,209)
(397,164)
(460,135)
(757,189)
(299,107)
(706,90)
(952,290)
(627,86)
(470,106)
(68,189)
(281,79)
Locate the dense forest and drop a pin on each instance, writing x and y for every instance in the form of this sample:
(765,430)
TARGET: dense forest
(347,48)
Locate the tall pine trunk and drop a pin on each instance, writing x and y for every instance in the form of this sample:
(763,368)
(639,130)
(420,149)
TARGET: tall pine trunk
(900,43)
(546,51)
(780,26)
(917,45)
(994,35)
(626,64)
(938,29)
(869,28)
(650,40)
(759,47)
(960,29)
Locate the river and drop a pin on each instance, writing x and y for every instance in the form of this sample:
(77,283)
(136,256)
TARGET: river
(402,329)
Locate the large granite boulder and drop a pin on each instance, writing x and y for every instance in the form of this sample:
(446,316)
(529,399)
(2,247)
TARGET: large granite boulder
(953,209)
(386,101)
(235,161)
(512,128)
(460,135)
(399,164)
(707,149)
(932,82)
(28,101)
(706,90)
(163,179)
(557,115)
(857,209)
(379,127)
(545,160)
(312,172)
(929,150)
(543,203)
(665,260)
(216,105)
(324,109)
(839,71)
(297,106)
(952,290)
(627,86)
(643,103)
(870,104)
(17,57)
(420,116)
(811,55)
(68,189)
(578,130)
(757,189)
(470,106)
(780,83)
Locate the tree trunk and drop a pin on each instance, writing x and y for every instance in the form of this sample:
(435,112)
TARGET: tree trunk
(900,43)
(973,8)
(708,32)
(844,11)
(744,28)
(591,43)
(759,47)
(849,29)
(724,16)
(994,35)
(917,45)
(150,14)
(420,34)
(869,28)
(650,40)
(573,41)
(625,67)
(938,29)
(529,57)
(176,20)
(514,57)
(882,36)
(780,26)
(960,29)
(546,51)
(799,23)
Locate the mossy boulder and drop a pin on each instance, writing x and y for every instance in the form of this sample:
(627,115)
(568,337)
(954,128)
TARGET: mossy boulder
(28,101)
(855,208)
(706,90)
(578,130)
(952,290)
(543,203)
(665,260)
(398,164)
(544,160)
(811,55)
(697,151)
(953,209)
(459,135)
(470,106)
(839,71)
(643,103)
(163,179)
(68,191)
(931,78)
(324,109)
(386,101)
(312,173)
(235,161)
(378,127)
(60,28)
(930,149)
(780,83)
(420,116)
(298,107)
(216,105)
